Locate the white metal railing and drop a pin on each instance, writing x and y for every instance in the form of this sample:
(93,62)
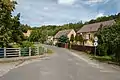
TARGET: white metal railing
(18,52)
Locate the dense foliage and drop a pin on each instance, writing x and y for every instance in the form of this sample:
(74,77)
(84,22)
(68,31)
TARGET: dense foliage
(11,30)
(109,41)
(63,39)
(38,36)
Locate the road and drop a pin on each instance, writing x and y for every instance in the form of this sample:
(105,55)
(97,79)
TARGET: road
(62,65)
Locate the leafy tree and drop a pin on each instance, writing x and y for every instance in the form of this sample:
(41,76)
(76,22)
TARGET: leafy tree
(17,34)
(63,39)
(35,36)
(25,28)
(38,36)
(77,38)
(109,41)
(6,7)
(80,39)
(72,38)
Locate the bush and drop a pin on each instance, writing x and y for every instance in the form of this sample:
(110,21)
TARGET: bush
(102,50)
(109,41)
(15,45)
(27,44)
(49,51)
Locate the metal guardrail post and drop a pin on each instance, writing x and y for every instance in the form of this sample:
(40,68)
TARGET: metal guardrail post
(19,52)
(29,51)
(4,52)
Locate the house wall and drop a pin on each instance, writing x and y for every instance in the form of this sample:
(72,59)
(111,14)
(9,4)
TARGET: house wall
(28,33)
(72,32)
(69,36)
(55,41)
(50,39)
(89,37)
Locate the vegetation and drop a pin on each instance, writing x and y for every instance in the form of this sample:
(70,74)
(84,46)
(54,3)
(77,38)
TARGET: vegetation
(49,51)
(51,30)
(109,42)
(11,30)
(63,39)
(38,36)
(27,44)
(72,38)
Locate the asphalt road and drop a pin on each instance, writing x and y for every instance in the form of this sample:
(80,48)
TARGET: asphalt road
(62,65)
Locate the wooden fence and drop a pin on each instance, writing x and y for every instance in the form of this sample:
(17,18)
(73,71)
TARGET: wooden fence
(18,52)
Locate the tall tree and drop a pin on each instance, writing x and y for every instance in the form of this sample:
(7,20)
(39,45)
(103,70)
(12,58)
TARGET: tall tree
(10,30)
(6,7)
(77,38)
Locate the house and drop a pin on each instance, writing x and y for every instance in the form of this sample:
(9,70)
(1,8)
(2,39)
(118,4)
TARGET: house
(50,40)
(67,33)
(88,31)
(27,34)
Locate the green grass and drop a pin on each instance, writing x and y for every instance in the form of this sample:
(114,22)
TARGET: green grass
(49,51)
(102,58)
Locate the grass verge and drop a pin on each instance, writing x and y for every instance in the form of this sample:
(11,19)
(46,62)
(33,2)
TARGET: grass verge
(102,58)
(49,51)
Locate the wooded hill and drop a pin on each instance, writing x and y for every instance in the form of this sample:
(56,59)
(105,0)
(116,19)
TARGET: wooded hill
(51,30)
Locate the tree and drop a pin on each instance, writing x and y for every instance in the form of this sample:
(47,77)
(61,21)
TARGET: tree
(38,36)
(109,41)
(17,34)
(72,38)
(6,7)
(35,36)
(25,28)
(79,38)
(76,38)
(63,39)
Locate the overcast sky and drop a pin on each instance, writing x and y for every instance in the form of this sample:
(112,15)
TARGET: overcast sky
(58,12)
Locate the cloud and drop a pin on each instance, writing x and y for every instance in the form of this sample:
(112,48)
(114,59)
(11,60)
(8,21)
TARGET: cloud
(45,8)
(100,15)
(95,1)
(92,2)
(68,2)
(41,12)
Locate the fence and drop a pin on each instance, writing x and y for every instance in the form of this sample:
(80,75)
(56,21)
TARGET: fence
(83,48)
(18,52)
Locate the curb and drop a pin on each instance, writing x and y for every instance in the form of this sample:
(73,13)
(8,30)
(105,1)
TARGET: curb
(7,60)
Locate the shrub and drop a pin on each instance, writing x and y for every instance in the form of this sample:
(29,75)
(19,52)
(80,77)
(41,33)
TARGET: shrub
(15,45)
(49,51)
(102,50)
(27,44)
(109,41)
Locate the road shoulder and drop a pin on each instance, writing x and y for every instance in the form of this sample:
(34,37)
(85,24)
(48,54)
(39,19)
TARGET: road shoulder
(87,58)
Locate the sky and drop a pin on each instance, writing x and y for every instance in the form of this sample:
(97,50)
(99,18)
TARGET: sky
(58,12)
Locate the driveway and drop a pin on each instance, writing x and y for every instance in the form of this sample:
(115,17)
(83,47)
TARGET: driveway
(63,65)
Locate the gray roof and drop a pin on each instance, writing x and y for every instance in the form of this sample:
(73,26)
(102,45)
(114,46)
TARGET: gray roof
(63,32)
(95,26)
